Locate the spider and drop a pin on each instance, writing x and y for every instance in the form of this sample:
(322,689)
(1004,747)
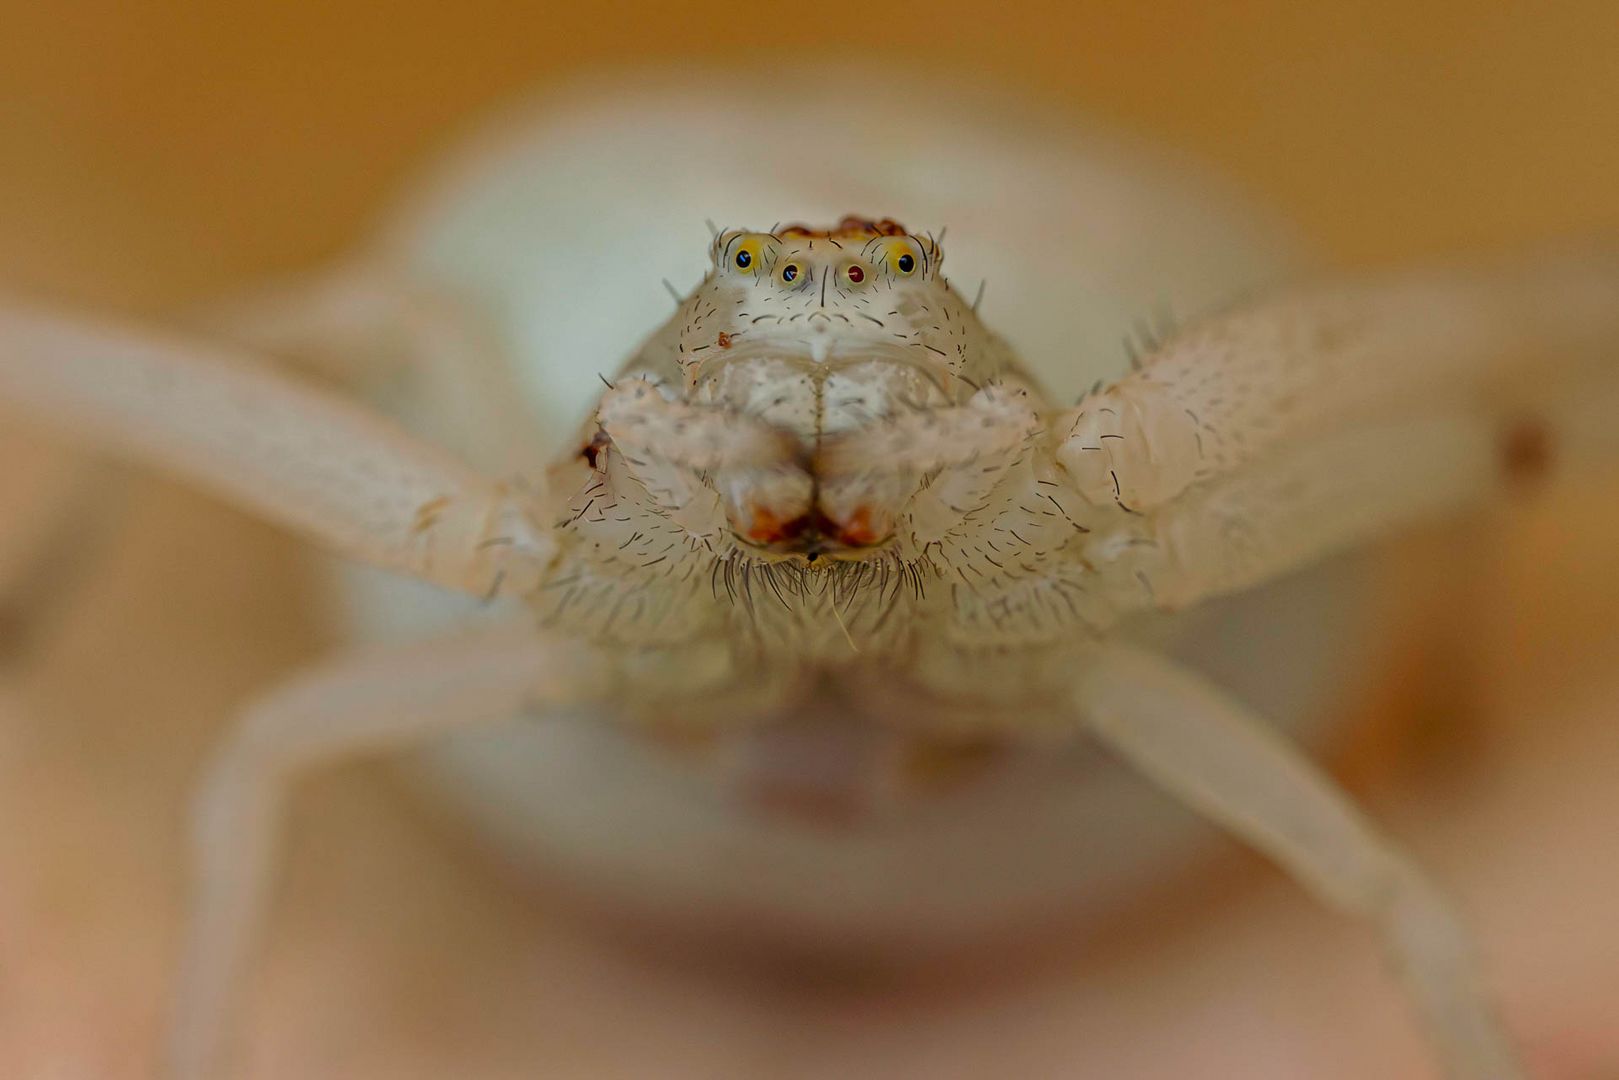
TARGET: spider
(825,482)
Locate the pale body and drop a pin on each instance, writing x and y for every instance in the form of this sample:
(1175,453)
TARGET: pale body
(1313,461)
(1082,239)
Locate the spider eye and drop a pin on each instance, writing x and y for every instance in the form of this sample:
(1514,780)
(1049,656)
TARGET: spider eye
(856,274)
(745,256)
(789,272)
(900,256)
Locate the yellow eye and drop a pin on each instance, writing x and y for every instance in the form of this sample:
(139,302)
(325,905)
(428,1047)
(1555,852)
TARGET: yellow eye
(902,257)
(746,255)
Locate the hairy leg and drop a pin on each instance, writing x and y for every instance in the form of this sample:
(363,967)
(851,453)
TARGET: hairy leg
(1228,765)
(307,460)
(1289,511)
(1238,386)
(1351,487)
(365,703)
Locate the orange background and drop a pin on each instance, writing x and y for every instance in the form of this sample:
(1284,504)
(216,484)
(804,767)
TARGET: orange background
(149,148)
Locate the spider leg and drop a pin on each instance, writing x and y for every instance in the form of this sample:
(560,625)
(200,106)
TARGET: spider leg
(364,703)
(1225,763)
(1239,386)
(329,469)
(1288,511)
(1348,487)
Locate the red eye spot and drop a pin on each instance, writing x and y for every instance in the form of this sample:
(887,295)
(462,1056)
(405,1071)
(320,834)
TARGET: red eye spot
(856,274)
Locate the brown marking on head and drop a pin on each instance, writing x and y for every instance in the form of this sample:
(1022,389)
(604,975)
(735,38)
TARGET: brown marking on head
(724,341)
(1526,451)
(851,227)
(593,449)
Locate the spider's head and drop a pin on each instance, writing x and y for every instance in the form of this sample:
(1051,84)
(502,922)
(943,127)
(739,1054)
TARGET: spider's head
(819,294)
(824,334)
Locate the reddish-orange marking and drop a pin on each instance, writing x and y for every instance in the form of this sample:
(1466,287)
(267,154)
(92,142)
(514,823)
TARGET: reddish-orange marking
(767,528)
(859,531)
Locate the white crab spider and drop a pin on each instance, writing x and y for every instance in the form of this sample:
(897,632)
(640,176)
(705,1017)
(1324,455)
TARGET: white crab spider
(900,445)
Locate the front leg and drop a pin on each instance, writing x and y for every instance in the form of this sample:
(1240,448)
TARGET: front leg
(1229,766)
(1347,487)
(363,704)
(1239,386)
(307,460)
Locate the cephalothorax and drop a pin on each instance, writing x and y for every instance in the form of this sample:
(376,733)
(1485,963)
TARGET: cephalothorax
(821,429)
(825,475)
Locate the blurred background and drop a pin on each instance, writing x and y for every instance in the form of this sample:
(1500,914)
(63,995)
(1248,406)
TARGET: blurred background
(153,154)
(152,148)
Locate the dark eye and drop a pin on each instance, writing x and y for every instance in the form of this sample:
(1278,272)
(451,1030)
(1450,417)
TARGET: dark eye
(906,264)
(856,274)
(744,259)
(789,272)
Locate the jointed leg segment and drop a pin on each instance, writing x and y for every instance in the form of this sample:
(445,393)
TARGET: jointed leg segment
(1240,386)
(318,464)
(367,703)
(1286,512)
(1230,767)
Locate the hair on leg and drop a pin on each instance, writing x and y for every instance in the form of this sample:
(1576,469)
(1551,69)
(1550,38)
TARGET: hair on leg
(1235,387)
